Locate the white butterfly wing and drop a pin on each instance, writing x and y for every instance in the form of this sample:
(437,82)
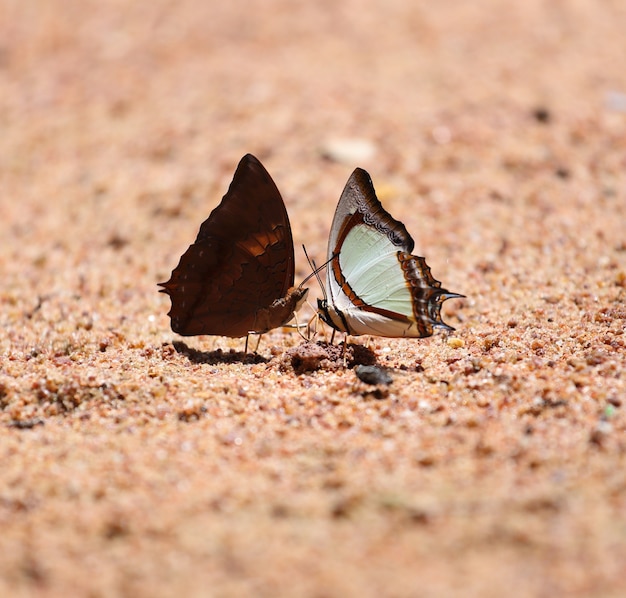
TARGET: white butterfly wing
(375,285)
(370,266)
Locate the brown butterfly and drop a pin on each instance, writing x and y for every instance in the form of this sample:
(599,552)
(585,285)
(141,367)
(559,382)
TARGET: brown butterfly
(238,276)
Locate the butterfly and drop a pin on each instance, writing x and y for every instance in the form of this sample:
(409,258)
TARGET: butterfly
(237,277)
(375,285)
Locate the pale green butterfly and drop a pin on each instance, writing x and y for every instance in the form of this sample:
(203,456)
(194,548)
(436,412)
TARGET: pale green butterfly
(374,284)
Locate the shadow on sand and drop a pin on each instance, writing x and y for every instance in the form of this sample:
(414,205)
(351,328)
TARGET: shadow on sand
(217,356)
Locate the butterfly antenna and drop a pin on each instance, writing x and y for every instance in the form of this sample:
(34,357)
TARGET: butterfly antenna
(315,271)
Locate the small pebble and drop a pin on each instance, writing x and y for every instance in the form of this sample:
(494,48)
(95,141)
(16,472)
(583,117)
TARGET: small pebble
(372,374)
(455,342)
(348,151)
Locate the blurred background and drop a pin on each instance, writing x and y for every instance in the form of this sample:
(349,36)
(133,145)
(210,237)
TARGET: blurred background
(495,130)
(122,124)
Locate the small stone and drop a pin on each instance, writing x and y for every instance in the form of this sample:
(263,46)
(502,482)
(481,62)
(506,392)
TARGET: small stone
(372,374)
(348,151)
(542,115)
(455,342)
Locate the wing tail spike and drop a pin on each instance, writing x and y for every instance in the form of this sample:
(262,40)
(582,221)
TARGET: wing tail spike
(448,295)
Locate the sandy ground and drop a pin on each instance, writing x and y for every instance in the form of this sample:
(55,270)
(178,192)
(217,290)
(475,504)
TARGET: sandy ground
(134,465)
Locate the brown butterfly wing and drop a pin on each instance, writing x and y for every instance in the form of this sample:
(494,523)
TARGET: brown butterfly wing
(241,262)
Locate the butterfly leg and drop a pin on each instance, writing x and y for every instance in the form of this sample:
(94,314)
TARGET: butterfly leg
(315,318)
(303,325)
(309,327)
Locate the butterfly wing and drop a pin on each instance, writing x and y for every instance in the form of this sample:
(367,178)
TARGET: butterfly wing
(241,263)
(375,285)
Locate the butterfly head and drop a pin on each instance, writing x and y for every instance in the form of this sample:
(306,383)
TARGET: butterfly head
(332,316)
